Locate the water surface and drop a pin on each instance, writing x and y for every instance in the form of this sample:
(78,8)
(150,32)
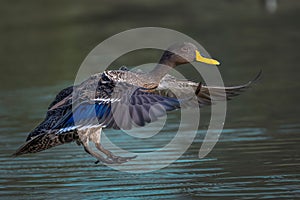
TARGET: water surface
(257,157)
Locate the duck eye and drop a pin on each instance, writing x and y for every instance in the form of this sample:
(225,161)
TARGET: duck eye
(184,49)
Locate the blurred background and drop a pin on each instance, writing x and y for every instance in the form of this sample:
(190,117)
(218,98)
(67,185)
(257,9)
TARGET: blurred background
(42,44)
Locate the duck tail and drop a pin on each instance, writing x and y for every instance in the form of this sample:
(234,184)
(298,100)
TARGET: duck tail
(45,141)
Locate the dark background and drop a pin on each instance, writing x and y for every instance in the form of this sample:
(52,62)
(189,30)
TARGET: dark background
(42,44)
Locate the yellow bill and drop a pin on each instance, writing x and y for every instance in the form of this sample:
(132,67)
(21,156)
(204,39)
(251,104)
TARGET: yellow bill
(209,61)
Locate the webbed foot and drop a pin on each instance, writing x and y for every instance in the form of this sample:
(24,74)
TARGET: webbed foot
(115,159)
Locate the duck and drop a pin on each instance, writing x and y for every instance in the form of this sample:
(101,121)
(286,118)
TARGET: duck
(123,99)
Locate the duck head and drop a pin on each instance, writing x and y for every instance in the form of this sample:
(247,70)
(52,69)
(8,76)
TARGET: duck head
(183,53)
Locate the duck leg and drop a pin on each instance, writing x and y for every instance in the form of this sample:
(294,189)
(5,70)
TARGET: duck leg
(85,138)
(116,159)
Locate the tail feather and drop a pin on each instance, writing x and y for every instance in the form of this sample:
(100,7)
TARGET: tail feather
(45,141)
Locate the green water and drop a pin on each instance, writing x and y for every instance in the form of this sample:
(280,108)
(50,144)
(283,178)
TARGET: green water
(42,44)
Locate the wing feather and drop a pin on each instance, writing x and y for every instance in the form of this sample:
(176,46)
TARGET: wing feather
(122,111)
(206,95)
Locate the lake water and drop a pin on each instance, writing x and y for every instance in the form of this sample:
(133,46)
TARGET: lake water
(258,155)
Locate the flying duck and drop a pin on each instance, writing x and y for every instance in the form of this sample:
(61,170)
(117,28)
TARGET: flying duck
(122,99)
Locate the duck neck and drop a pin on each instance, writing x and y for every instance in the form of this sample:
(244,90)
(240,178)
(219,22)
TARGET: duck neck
(162,68)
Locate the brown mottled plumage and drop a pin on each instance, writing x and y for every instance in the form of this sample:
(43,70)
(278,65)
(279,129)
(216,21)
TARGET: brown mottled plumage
(120,99)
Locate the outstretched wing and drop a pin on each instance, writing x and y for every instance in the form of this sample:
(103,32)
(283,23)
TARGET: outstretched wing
(125,107)
(128,106)
(206,95)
